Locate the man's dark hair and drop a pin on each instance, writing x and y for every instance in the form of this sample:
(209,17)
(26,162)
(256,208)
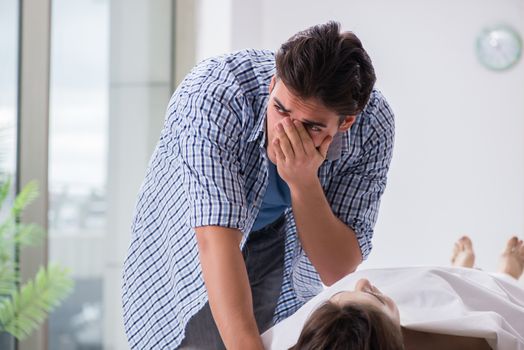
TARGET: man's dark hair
(324,64)
(349,327)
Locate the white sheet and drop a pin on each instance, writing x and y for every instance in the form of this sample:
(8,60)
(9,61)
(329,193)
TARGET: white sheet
(456,301)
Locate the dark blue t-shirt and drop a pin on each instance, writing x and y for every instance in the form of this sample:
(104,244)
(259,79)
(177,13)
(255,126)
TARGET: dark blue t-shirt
(276,199)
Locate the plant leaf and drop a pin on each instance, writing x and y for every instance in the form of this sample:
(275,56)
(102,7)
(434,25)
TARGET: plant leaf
(6,241)
(28,234)
(7,225)
(4,190)
(28,194)
(28,307)
(8,279)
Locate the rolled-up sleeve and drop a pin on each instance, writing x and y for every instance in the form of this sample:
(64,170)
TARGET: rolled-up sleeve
(355,192)
(209,143)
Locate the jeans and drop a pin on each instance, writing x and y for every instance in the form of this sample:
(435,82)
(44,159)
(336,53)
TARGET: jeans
(264,257)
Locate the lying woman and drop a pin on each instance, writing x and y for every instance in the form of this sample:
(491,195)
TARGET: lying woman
(457,307)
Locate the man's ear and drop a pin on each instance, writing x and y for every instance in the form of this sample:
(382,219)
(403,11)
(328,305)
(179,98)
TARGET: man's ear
(346,124)
(272,84)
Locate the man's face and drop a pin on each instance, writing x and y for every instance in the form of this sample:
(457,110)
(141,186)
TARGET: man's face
(319,121)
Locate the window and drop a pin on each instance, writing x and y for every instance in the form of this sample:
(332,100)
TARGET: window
(8,109)
(111,74)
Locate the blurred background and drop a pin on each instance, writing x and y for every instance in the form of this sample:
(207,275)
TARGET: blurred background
(86,126)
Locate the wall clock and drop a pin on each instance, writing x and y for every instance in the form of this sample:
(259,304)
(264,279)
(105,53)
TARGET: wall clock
(499,48)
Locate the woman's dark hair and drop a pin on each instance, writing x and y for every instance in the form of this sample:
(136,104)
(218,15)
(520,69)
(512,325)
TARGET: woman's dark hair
(333,67)
(349,327)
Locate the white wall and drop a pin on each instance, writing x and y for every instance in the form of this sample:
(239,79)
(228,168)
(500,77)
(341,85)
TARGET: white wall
(459,156)
(214,25)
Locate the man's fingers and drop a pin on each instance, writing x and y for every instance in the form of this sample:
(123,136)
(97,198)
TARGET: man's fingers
(284,142)
(278,152)
(307,142)
(294,137)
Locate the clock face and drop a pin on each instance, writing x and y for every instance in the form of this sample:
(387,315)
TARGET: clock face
(499,48)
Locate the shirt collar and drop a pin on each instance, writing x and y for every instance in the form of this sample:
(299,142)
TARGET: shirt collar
(339,146)
(259,130)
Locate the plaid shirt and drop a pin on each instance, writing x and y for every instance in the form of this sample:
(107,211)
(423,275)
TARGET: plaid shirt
(209,168)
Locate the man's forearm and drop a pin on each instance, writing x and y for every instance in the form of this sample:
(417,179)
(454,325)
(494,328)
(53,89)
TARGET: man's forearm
(228,287)
(330,245)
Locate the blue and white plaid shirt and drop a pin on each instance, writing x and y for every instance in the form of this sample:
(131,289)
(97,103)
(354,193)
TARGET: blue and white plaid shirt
(209,168)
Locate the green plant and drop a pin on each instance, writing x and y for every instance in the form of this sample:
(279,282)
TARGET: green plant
(24,307)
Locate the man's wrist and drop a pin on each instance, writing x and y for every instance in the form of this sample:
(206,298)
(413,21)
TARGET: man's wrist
(304,184)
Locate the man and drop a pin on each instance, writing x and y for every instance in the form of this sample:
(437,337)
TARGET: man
(266,182)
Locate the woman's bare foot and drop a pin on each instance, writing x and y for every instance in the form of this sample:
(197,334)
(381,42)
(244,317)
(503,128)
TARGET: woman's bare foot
(463,254)
(511,261)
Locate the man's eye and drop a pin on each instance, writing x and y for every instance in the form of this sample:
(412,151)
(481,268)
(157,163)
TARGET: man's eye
(314,128)
(280,110)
